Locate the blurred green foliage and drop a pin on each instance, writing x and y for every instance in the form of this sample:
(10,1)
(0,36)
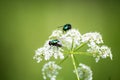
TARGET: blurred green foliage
(26,25)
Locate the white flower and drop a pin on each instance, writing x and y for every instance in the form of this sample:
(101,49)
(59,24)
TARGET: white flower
(39,54)
(72,35)
(47,51)
(50,70)
(105,51)
(56,34)
(100,52)
(92,37)
(72,40)
(84,72)
(67,42)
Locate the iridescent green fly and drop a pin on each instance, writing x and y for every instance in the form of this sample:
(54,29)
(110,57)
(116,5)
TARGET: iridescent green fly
(66,27)
(55,42)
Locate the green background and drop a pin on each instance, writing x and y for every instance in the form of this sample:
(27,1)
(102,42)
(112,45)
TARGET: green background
(26,25)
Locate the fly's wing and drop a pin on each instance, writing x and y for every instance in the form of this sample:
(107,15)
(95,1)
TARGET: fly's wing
(59,44)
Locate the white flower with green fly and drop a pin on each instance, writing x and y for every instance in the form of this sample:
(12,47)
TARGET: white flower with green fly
(70,41)
(47,51)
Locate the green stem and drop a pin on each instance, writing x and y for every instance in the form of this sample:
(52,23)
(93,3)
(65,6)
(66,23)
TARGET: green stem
(64,59)
(83,53)
(79,46)
(74,64)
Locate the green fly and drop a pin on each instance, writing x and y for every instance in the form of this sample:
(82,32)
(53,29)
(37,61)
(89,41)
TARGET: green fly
(66,27)
(55,42)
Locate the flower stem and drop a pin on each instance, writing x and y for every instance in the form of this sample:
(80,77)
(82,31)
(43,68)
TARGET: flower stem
(64,59)
(74,64)
(79,46)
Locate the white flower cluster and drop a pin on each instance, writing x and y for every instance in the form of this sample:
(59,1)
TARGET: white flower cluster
(50,70)
(84,72)
(56,34)
(100,52)
(73,39)
(71,36)
(47,51)
(93,40)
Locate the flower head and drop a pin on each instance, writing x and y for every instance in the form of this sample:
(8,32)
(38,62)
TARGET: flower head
(39,54)
(92,37)
(50,70)
(56,34)
(72,41)
(84,72)
(47,51)
(100,52)
(71,36)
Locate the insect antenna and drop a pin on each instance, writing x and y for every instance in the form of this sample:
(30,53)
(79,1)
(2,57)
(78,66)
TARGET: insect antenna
(60,26)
